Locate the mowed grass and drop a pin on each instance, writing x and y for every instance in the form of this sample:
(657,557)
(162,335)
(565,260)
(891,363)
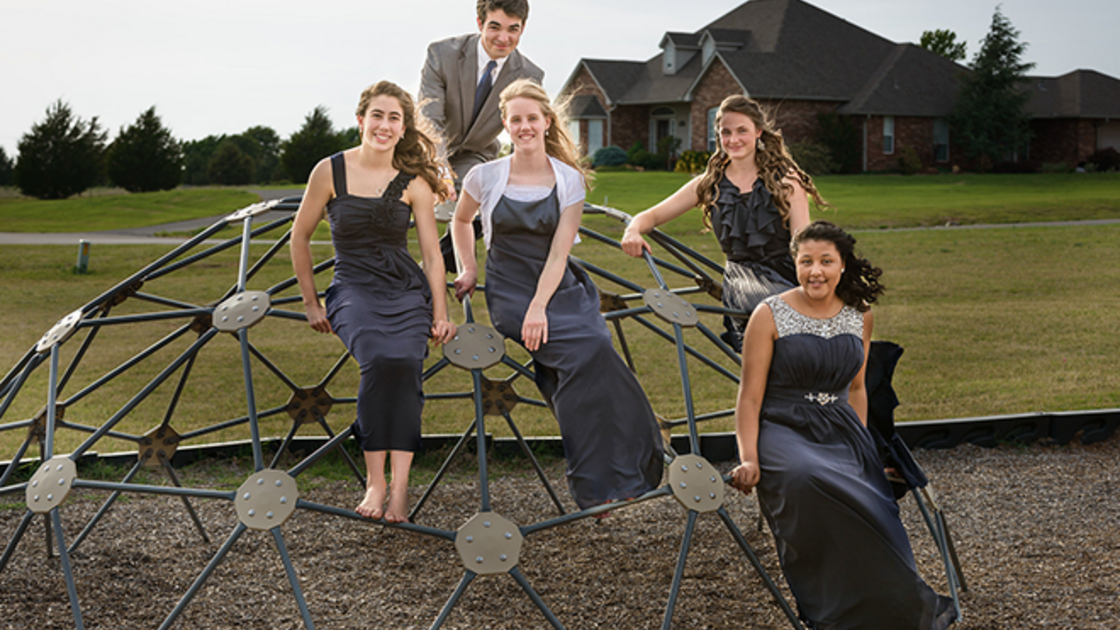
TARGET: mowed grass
(994,321)
(94,213)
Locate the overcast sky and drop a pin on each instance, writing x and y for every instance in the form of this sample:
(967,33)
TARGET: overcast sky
(213,67)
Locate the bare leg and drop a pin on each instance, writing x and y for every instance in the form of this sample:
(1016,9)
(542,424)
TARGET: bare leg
(373,505)
(401,463)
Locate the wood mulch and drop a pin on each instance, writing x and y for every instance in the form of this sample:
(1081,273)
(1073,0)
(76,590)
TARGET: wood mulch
(1037,529)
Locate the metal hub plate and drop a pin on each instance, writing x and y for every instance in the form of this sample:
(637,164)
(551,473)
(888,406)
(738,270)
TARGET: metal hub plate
(489,544)
(309,404)
(611,302)
(60,332)
(50,485)
(241,311)
(475,347)
(670,307)
(254,210)
(158,445)
(497,397)
(267,499)
(696,483)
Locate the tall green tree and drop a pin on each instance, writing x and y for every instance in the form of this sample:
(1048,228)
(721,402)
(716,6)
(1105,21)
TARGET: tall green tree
(145,156)
(943,42)
(988,118)
(6,168)
(61,156)
(263,145)
(230,165)
(196,159)
(315,140)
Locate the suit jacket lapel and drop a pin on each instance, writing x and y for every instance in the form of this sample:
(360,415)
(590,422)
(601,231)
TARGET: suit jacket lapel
(468,75)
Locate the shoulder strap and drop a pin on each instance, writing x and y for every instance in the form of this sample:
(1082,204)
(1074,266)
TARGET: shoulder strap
(396,187)
(338,171)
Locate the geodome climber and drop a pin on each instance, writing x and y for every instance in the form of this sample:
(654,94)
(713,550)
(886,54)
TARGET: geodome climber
(171,341)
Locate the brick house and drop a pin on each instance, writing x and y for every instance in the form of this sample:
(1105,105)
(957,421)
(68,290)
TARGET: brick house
(802,61)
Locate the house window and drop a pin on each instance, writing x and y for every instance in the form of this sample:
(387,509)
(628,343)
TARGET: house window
(594,136)
(573,131)
(941,140)
(888,134)
(712,129)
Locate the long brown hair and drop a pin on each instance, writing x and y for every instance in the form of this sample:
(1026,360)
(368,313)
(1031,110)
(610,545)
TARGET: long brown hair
(415,153)
(558,142)
(771,156)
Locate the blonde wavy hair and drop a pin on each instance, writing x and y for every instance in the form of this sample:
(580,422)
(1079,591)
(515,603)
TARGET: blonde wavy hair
(416,152)
(771,156)
(558,143)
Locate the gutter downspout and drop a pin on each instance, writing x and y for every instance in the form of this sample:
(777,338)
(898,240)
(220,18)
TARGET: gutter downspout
(866,118)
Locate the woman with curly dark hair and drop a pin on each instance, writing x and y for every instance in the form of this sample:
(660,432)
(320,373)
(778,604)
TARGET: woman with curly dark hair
(801,423)
(754,196)
(380,303)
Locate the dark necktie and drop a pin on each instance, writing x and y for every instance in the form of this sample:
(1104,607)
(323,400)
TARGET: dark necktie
(483,89)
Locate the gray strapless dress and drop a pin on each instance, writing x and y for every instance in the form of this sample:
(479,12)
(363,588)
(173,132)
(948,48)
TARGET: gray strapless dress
(836,526)
(380,305)
(611,439)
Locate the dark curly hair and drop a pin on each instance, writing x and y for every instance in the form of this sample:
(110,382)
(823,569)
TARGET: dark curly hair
(859,285)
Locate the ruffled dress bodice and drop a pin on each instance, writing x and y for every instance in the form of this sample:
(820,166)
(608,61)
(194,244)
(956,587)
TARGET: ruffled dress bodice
(750,228)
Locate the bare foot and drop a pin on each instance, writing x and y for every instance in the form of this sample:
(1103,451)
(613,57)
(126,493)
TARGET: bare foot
(398,507)
(372,506)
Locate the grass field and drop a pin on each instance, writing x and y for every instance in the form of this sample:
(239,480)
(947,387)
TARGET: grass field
(994,320)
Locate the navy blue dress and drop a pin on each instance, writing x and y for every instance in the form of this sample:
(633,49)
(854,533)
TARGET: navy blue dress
(842,546)
(380,305)
(611,439)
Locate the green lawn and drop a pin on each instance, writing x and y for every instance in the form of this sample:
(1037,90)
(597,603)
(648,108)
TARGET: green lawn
(110,212)
(994,321)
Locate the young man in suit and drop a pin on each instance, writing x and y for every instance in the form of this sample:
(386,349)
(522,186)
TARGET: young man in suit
(461,81)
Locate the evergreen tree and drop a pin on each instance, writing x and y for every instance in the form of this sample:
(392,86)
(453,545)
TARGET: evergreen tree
(6,167)
(315,140)
(230,166)
(145,156)
(988,119)
(943,42)
(61,156)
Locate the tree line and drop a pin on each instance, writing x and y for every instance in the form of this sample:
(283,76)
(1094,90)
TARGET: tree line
(64,155)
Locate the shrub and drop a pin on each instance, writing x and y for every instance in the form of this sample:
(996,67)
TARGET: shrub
(608,156)
(840,135)
(1055,167)
(1107,159)
(1022,166)
(692,161)
(812,157)
(61,156)
(145,157)
(908,161)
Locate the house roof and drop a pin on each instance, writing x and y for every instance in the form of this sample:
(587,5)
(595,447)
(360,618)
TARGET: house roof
(585,106)
(911,81)
(1078,94)
(790,49)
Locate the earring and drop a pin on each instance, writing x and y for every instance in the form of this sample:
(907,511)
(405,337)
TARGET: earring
(546,133)
(759,145)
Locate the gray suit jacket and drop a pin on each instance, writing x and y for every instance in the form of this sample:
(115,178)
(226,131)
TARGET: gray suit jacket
(447,86)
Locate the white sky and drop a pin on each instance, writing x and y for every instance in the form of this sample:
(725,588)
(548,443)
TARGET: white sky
(213,67)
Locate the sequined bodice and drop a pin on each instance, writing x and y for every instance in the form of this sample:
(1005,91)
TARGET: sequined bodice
(813,356)
(790,322)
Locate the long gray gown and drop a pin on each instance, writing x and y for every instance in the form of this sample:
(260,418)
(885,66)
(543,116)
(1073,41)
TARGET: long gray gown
(380,305)
(836,525)
(611,439)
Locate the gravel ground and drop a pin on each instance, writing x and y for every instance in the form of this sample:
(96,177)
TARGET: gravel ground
(1036,530)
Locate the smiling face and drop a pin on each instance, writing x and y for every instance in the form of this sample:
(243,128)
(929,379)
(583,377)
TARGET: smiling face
(500,33)
(819,268)
(526,123)
(738,134)
(382,125)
